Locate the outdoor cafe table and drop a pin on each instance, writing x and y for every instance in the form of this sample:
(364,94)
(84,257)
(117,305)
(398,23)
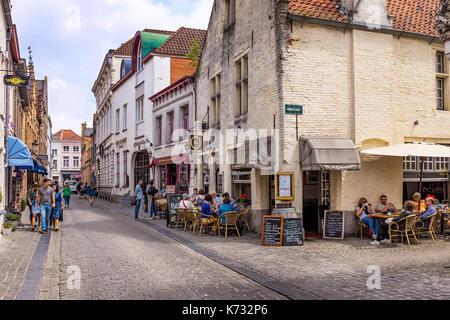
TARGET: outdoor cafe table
(385,216)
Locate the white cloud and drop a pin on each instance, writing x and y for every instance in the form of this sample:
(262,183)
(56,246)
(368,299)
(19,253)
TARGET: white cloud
(70,39)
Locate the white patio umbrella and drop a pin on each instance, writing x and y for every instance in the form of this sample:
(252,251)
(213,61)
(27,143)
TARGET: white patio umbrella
(421,149)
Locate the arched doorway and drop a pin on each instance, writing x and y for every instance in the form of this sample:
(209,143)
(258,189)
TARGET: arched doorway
(142,167)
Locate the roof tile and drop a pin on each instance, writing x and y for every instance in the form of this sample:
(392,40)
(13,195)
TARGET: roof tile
(179,44)
(126,49)
(417,16)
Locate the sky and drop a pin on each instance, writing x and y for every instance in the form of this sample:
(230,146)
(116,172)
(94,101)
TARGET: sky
(70,38)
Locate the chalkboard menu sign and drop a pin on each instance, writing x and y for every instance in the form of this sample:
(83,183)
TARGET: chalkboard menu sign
(333,225)
(272,233)
(293,232)
(173,202)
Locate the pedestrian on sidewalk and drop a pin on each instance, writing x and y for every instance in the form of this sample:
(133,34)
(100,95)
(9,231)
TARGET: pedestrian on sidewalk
(35,213)
(46,201)
(79,186)
(91,191)
(139,194)
(152,191)
(59,206)
(146,197)
(30,202)
(67,193)
(86,189)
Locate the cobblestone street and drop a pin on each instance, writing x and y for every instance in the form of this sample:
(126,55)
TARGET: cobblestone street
(123,259)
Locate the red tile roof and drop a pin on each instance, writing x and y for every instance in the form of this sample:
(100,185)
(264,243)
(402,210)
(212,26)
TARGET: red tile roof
(417,16)
(126,49)
(179,44)
(66,135)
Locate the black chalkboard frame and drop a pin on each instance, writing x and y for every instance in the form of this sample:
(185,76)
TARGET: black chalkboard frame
(325,223)
(302,240)
(170,197)
(281,234)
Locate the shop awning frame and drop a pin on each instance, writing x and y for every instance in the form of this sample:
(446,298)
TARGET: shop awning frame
(328,154)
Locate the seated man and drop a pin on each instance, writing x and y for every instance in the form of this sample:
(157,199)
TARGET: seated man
(425,222)
(384,206)
(186,203)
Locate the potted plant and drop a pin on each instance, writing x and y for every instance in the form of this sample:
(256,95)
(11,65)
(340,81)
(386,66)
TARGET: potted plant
(242,200)
(14,219)
(7,228)
(23,205)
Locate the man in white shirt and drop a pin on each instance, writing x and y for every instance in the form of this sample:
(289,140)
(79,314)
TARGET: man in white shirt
(186,203)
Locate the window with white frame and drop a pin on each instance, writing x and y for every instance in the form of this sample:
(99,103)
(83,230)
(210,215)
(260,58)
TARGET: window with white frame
(158,128)
(170,128)
(76,149)
(55,152)
(140,64)
(66,149)
(140,110)
(76,162)
(117,169)
(428,164)
(66,162)
(117,120)
(241,72)
(125,119)
(410,164)
(215,100)
(442,164)
(55,164)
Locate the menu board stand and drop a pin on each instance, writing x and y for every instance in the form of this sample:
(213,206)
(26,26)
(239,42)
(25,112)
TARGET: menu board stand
(334,224)
(173,202)
(272,232)
(293,232)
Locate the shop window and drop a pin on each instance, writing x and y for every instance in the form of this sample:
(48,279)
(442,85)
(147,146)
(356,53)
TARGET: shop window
(428,164)
(442,164)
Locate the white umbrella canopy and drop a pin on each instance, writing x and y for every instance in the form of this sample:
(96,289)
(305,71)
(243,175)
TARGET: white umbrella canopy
(421,149)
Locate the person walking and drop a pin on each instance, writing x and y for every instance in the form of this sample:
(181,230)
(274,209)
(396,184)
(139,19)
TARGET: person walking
(91,191)
(152,191)
(35,213)
(139,197)
(67,193)
(79,185)
(30,202)
(59,206)
(46,201)
(86,188)
(146,197)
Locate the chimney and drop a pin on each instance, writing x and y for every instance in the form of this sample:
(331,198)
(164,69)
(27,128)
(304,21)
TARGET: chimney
(83,129)
(368,12)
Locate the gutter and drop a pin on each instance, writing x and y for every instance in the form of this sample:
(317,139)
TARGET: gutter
(365,27)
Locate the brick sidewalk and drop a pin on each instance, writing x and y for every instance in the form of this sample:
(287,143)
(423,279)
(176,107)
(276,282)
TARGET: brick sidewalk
(336,269)
(16,252)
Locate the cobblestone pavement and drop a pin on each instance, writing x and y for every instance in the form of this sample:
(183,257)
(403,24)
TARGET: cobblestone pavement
(122,259)
(16,252)
(338,269)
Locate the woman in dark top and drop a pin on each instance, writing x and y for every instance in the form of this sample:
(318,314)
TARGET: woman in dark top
(208,213)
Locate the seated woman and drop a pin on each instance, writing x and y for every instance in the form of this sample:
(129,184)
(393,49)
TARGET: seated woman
(208,213)
(416,201)
(224,208)
(408,210)
(364,210)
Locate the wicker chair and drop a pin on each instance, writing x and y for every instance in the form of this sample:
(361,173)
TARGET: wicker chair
(231,219)
(164,209)
(181,217)
(428,230)
(201,223)
(396,231)
(243,218)
(361,226)
(189,219)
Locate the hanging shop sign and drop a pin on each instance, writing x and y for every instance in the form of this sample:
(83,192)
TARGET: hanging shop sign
(15,81)
(196,143)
